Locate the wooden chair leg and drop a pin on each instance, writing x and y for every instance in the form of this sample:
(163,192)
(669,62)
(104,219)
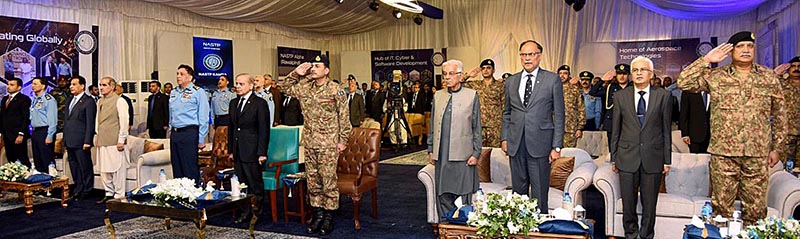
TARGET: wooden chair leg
(375,203)
(356,210)
(285,204)
(273,196)
(435,227)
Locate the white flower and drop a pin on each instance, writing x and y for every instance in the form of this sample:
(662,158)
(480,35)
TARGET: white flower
(511,228)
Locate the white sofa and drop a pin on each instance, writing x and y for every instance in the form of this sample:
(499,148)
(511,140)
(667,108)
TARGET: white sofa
(580,179)
(687,186)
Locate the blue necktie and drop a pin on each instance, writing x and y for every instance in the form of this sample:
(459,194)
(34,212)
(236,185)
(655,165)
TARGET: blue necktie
(641,109)
(528,89)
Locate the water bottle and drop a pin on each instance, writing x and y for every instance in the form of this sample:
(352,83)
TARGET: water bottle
(235,186)
(52,170)
(706,212)
(735,225)
(162,176)
(567,203)
(478,197)
(790,165)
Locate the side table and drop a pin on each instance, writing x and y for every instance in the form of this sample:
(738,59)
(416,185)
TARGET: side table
(298,192)
(25,190)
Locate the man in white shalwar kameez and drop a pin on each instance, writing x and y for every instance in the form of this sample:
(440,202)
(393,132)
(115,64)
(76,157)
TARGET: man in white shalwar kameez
(112,131)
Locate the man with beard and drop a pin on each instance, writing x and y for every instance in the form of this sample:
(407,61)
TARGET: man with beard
(61,93)
(791,91)
(574,109)
(491,93)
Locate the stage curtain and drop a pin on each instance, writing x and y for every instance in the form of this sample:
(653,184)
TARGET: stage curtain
(700,9)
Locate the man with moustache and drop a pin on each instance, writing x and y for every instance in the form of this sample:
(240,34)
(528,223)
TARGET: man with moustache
(491,93)
(167,88)
(745,96)
(157,111)
(606,92)
(188,114)
(641,138)
(112,134)
(61,93)
(220,100)
(533,124)
(593,104)
(574,109)
(791,90)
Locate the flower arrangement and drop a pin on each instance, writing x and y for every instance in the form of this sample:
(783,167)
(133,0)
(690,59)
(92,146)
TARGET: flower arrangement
(178,190)
(496,215)
(13,172)
(772,228)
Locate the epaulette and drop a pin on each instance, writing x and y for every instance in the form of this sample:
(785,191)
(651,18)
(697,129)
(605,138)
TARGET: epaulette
(341,93)
(196,87)
(48,97)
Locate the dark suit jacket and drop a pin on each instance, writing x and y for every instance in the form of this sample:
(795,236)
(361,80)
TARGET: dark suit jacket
(543,118)
(648,145)
(278,99)
(79,123)
(16,117)
(419,106)
(356,109)
(130,108)
(248,136)
(374,104)
(695,119)
(158,110)
(291,113)
(53,69)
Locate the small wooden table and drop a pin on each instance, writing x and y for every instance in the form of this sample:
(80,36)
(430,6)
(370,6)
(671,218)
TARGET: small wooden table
(299,194)
(450,231)
(25,190)
(199,216)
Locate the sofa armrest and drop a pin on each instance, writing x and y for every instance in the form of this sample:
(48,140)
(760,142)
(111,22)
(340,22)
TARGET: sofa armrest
(580,179)
(607,181)
(426,175)
(149,164)
(783,193)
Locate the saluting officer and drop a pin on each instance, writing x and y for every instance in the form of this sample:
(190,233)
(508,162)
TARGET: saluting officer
(606,94)
(188,120)
(44,119)
(219,102)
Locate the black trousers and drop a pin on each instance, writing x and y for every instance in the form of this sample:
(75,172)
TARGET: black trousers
(530,176)
(699,147)
(16,152)
(631,185)
(222,120)
(250,173)
(80,164)
(158,133)
(43,153)
(183,153)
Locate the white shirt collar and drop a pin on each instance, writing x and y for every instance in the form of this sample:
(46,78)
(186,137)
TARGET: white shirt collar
(535,72)
(646,89)
(12,95)
(247,96)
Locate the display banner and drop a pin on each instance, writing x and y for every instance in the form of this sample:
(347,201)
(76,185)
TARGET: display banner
(212,58)
(669,56)
(289,58)
(417,65)
(30,48)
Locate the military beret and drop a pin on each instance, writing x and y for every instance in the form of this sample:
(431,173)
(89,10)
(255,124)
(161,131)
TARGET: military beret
(322,59)
(742,36)
(506,75)
(487,62)
(586,75)
(563,68)
(795,59)
(623,68)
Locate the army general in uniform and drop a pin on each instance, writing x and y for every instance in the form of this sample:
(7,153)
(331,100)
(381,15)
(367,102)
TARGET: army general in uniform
(744,97)
(326,129)
(491,93)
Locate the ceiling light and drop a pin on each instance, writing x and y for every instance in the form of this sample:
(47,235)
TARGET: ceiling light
(373,5)
(397,13)
(405,5)
(340,1)
(418,20)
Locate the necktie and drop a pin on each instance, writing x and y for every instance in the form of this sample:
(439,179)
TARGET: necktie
(150,109)
(286,101)
(8,101)
(414,101)
(72,104)
(705,100)
(241,105)
(528,89)
(641,109)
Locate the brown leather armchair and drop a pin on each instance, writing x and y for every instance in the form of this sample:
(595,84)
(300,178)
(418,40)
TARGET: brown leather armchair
(358,169)
(219,156)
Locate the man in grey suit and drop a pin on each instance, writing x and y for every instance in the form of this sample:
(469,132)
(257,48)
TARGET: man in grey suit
(641,140)
(533,124)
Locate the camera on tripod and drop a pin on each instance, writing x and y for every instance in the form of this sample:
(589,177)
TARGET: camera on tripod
(396,124)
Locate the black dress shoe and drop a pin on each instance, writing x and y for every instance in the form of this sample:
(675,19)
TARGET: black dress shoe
(104,200)
(316,221)
(327,223)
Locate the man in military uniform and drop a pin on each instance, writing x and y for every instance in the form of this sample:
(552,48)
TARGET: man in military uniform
(43,120)
(606,93)
(326,130)
(188,121)
(574,109)
(61,93)
(491,93)
(748,127)
(791,90)
(219,102)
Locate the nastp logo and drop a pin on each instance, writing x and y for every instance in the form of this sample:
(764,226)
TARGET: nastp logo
(212,62)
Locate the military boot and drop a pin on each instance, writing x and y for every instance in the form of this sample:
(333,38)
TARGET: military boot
(316,221)
(327,223)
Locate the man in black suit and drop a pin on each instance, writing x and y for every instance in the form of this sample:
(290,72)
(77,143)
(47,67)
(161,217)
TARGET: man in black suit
(78,135)
(641,138)
(157,112)
(291,114)
(375,99)
(695,121)
(416,100)
(248,136)
(15,120)
(49,69)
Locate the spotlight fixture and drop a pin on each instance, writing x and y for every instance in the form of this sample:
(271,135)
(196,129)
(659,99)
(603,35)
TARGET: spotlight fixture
(397,14)
(405,5)
(373,5)
(418,20)
(578,5)
(340,1)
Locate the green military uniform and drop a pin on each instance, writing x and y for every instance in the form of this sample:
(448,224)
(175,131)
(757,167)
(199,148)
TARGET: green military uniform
(491,98)
(61,96)
(327,124)
(792,104)
(574,113)
(742,134)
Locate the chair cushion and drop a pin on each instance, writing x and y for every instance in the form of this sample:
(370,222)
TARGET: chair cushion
(150,146)
(347,184)
(669,205)
(688,175)
(561,169)
(484,167)
(269,180)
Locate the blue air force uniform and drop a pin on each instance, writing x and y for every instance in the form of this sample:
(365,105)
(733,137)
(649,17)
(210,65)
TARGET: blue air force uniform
(44,119)
(188,121)
(266,95)
(219,106)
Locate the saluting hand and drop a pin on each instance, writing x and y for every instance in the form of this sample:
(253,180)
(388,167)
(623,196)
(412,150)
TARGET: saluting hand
(474,72)
(719,53)
(609,75)
(574,80)
(302,69)
(782,69)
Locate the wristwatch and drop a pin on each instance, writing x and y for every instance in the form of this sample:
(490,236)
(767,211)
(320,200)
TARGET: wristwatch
(557,149)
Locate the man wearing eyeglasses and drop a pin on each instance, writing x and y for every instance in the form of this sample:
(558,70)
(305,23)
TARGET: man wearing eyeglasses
(620,76)
(748,124)
(641,139)
(491,93)
(533,124)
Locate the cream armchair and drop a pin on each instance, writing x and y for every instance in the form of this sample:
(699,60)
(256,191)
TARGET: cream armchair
(580,179)
(687,186)
(143,167)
